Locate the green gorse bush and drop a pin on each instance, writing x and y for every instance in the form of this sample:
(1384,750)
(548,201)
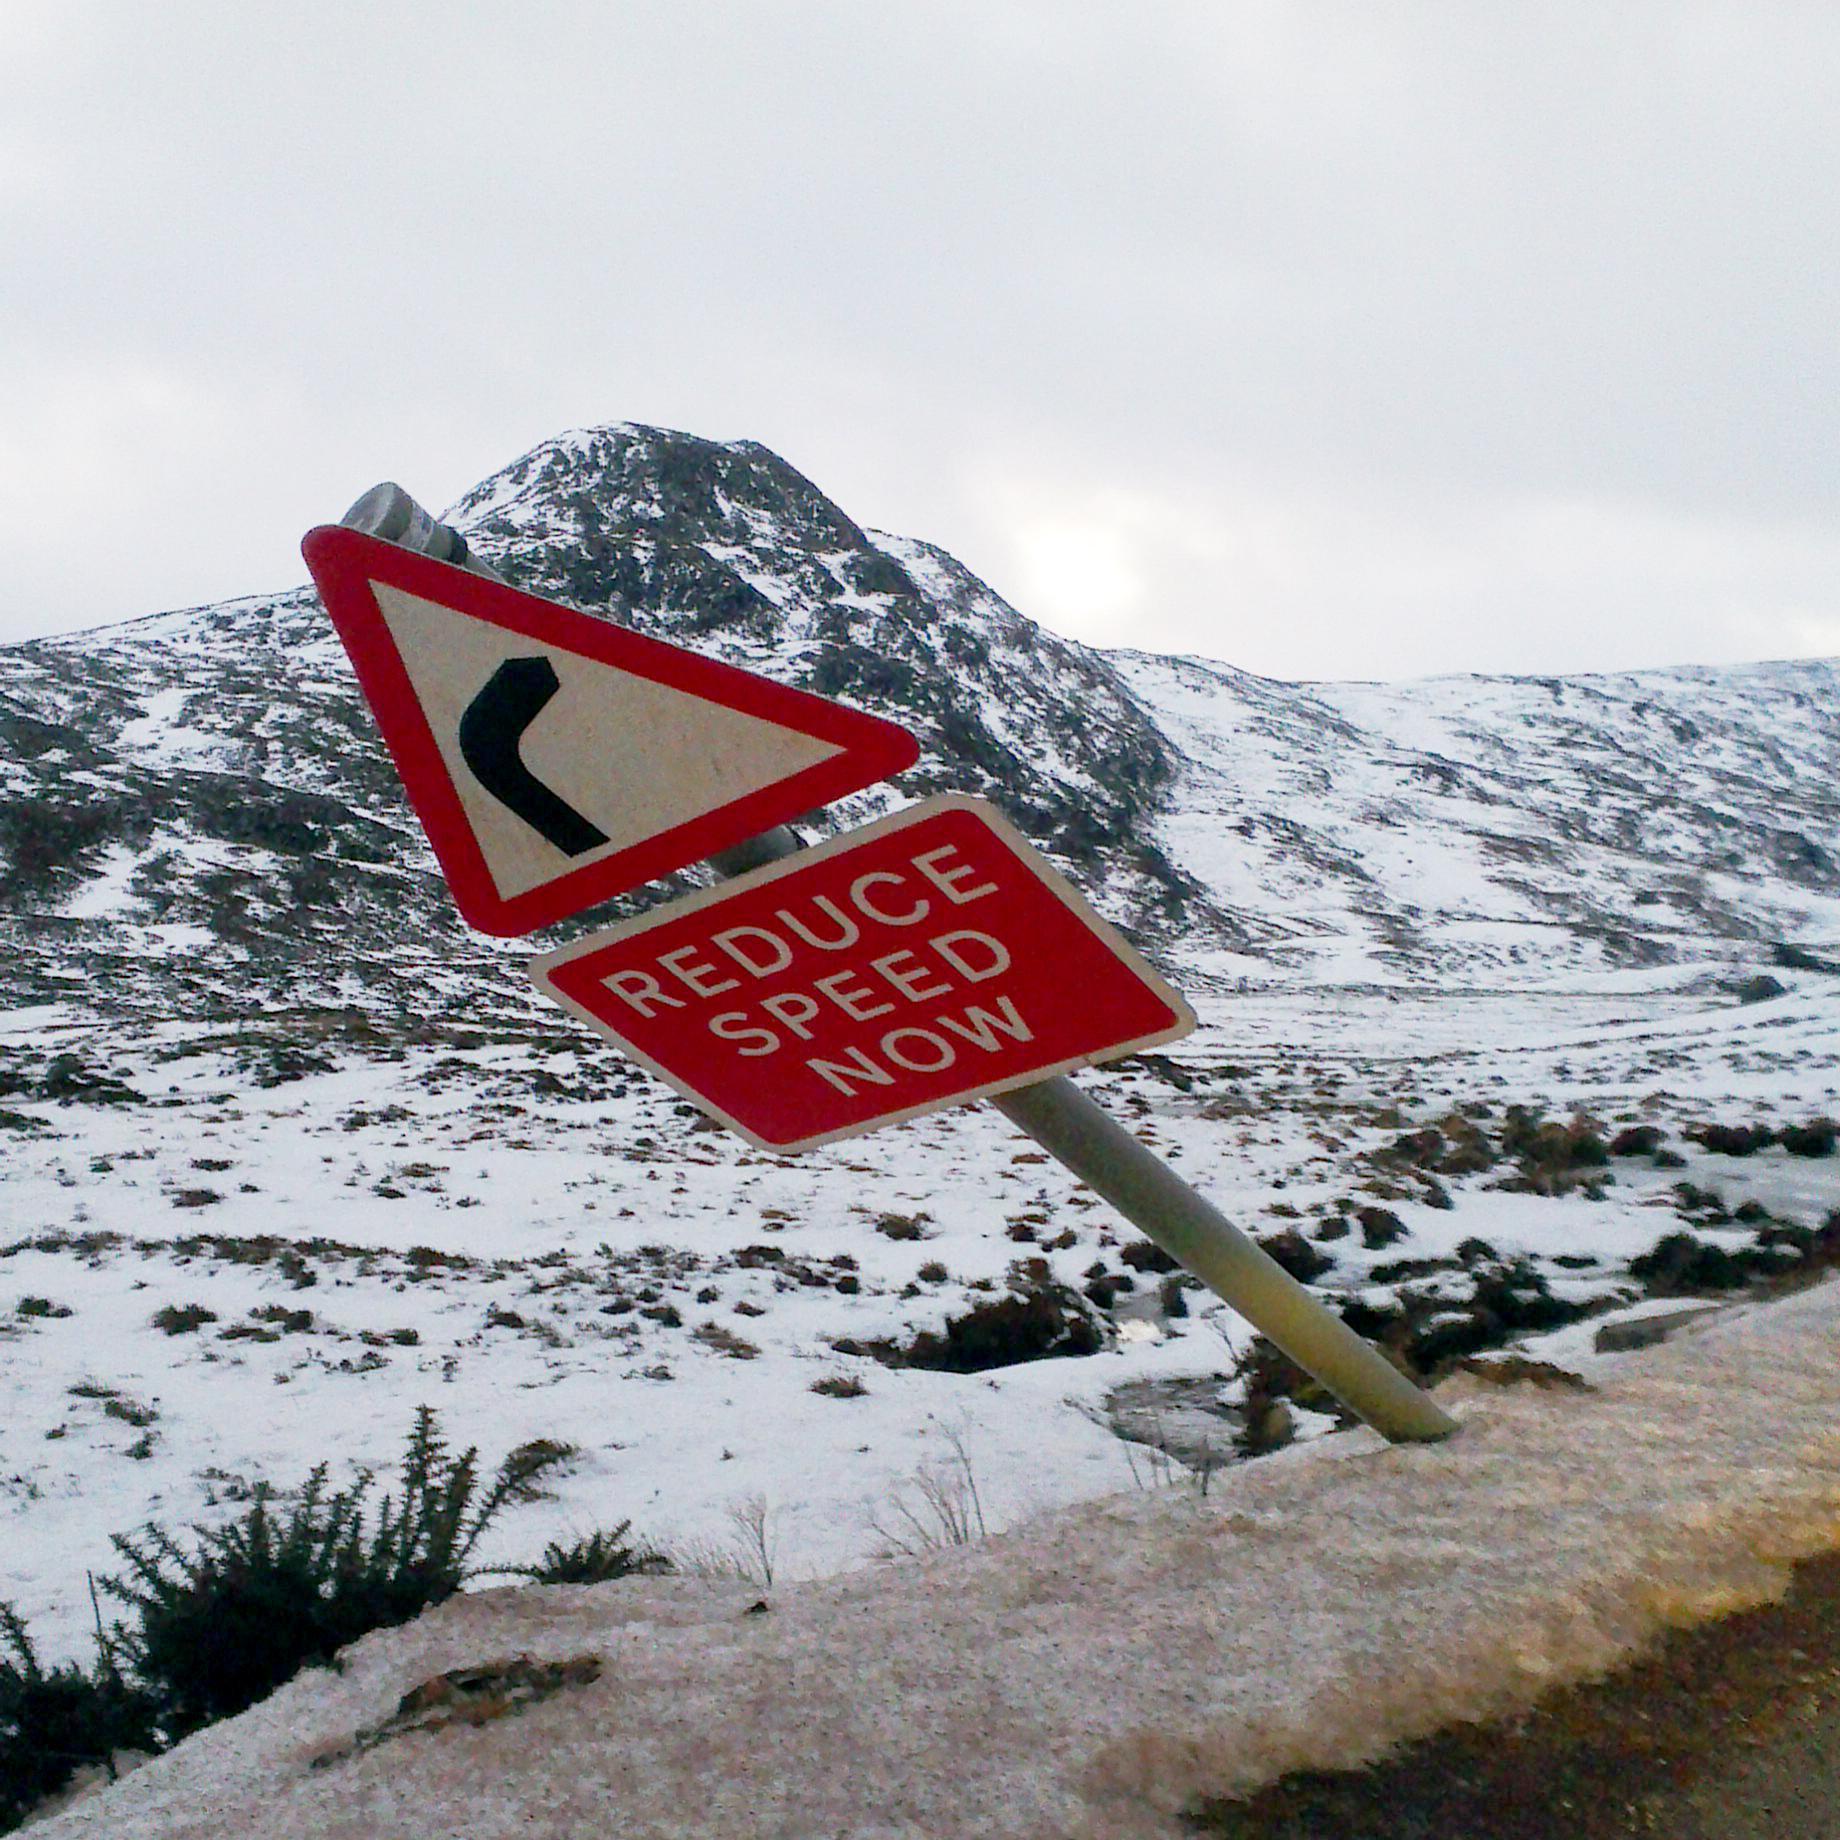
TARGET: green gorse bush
(215,1627)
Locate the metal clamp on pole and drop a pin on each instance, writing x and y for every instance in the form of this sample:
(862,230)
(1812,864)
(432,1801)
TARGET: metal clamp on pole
(1093,1145)
(387,511)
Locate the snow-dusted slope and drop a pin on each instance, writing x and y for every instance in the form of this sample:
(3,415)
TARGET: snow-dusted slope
(195,807)
(1508,830)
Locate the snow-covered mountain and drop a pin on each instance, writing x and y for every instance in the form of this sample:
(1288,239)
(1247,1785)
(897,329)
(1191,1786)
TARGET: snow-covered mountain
(195,806)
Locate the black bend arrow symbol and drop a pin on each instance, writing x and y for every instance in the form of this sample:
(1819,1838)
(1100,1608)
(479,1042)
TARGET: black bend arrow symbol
(490,734)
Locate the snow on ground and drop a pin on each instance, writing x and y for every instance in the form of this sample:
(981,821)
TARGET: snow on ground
(537,1241)
(1092,1673)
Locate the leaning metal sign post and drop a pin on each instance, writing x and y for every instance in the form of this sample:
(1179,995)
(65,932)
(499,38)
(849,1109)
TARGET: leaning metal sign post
(926,960)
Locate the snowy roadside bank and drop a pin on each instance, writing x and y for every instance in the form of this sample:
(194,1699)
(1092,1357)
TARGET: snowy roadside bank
(1095,1672)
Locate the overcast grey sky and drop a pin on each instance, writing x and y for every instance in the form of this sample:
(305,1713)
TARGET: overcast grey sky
(1328,339)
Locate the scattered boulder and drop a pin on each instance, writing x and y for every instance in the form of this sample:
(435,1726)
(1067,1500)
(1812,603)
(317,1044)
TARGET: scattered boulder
(1037,1319)
(1815,1138)
(1637,1140)
(1647,1331)
(1732,1139)
(1759,989)
(1146,1255)
(1679,1262)
(1380,1227)
(1297,1256)
(1553,1158)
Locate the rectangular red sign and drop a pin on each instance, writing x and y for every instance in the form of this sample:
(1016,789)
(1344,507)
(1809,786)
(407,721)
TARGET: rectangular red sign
(928,959)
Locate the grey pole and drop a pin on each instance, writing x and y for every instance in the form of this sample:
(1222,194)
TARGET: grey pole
(1149,1194)
(1092,1144)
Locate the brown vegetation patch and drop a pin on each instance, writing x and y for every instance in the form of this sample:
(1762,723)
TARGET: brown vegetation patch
(472,1696)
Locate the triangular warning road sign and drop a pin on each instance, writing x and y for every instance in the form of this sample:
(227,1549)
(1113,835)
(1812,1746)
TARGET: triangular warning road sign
(556,759)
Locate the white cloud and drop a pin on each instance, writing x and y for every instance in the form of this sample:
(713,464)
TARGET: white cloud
(1283,578)
(1284,328)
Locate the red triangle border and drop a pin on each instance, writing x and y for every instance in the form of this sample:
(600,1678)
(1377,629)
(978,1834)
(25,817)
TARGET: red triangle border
(345,562)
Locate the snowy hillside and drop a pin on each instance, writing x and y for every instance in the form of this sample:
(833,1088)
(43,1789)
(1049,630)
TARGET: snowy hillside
(1531,831)
(285,1151)
(197,804)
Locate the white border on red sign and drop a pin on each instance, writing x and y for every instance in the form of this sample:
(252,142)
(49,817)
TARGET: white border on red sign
(1025,852)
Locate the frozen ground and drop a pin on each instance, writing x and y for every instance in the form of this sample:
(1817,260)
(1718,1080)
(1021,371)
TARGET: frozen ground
(515,1229)
(1089,1675)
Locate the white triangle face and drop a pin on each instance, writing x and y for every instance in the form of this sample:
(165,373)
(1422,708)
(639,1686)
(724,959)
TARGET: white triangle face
(630,756)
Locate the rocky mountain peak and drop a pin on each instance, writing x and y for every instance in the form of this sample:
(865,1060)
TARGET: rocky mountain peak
(726,548)
(198,800)
(632,478)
